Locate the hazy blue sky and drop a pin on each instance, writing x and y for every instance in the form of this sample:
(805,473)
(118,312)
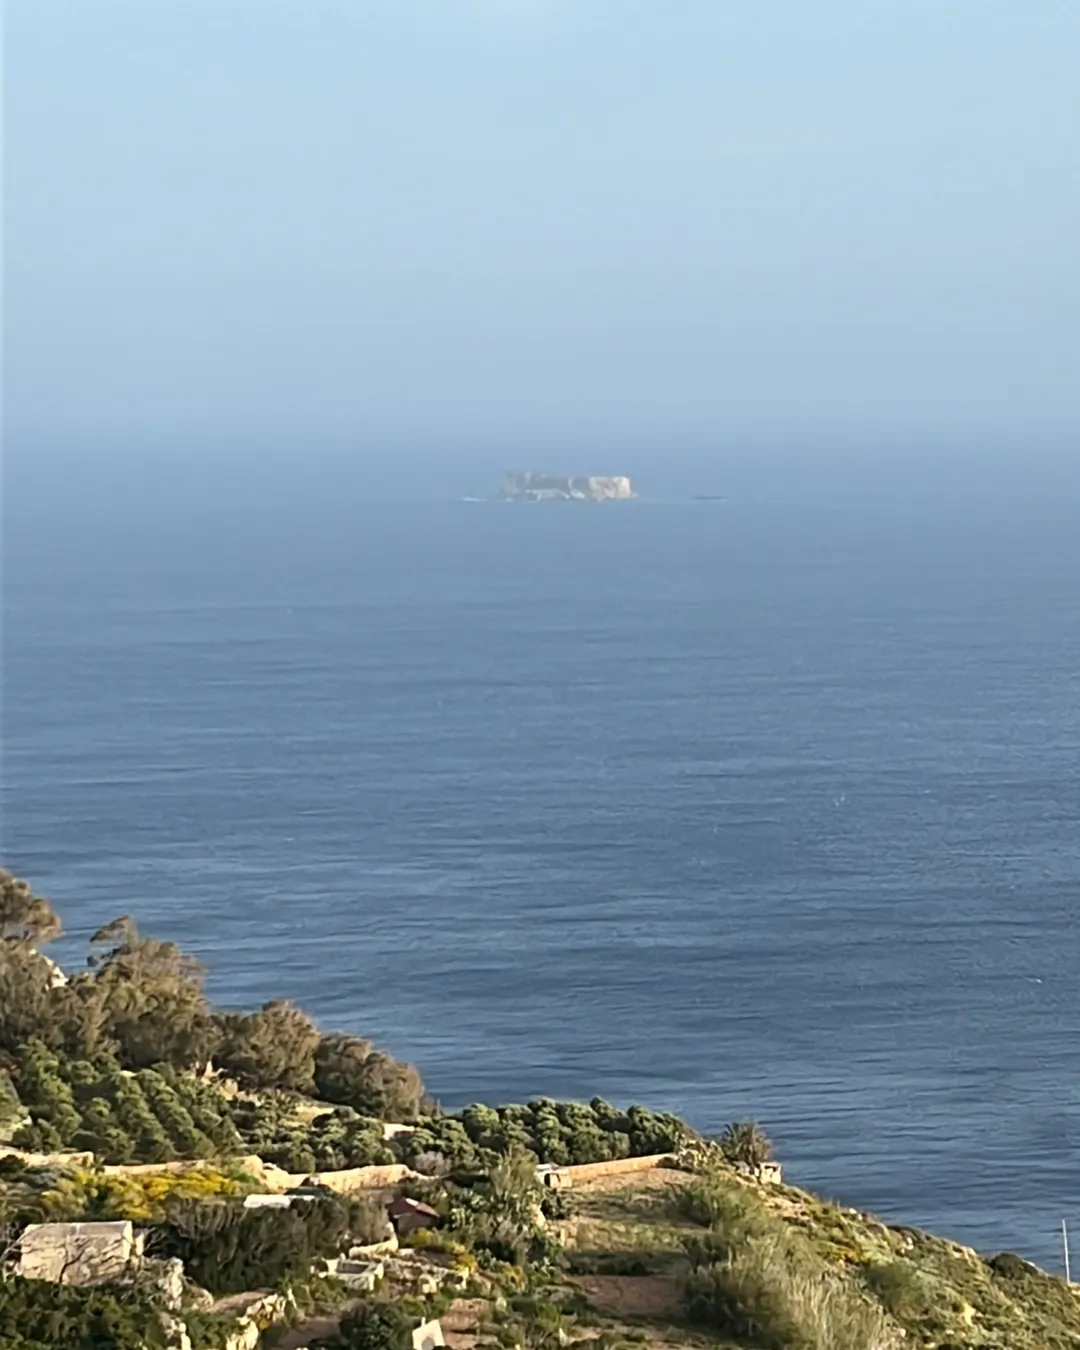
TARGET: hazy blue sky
(450,221)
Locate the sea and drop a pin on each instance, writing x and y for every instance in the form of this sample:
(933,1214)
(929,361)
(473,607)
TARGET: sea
(764,807)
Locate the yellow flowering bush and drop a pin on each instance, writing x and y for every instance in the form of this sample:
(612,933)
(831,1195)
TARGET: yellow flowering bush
(142,1198)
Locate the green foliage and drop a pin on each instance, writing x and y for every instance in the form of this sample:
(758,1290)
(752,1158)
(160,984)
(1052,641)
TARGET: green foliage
(497,1216)
(150,998)
(30,1006)
(35,1315)
(70,1047)
(745,1142)
(10,1106)
(349,1071)
(272,1048)
(755,1277)
(153,1115)
(159,1114)
(552,1132)
(371,1326)
(139,1000)
(899,1289)
(333,1140)
(228,1249)
(26,919)
(208,1331)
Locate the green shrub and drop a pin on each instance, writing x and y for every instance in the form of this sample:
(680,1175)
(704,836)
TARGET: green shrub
(553,1132)
(154,1115)
(272,1048)
(372,1326)
(756,1278)
(745,1142)
(334,1140)
(349,1071)
(35,1315)
(898,1288)
(228,1249)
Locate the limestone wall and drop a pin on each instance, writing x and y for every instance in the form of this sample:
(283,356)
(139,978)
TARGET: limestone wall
(360,1178)
(615,1167)
(78,1253)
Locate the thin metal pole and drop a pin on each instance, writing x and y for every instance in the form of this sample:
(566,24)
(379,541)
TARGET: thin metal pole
(1065,1249)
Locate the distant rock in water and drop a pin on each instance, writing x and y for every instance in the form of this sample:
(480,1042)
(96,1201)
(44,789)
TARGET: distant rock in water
(547,487)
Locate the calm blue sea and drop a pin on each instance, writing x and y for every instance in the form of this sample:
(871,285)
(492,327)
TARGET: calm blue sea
(765,807)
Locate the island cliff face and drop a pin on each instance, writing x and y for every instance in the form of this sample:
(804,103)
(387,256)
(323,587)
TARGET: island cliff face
(546,487)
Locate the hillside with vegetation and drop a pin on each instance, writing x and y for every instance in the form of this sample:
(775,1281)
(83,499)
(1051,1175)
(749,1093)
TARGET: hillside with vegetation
(125,1095)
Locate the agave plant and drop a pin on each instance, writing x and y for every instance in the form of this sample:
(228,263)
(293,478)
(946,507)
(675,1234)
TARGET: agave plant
(745,1142)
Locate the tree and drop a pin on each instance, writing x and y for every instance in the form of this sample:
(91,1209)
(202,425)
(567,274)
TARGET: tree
(10,1105)
(27,997)
(272,1048)
(150,995)
(26,919)
(351,1072)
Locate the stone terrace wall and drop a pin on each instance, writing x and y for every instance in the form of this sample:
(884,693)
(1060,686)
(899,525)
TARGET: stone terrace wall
(614,1168)
(359,1178)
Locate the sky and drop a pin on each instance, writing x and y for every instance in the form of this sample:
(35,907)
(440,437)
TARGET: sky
(384,223)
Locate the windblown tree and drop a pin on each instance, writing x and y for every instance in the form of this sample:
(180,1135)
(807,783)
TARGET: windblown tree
(150,997)
(26,919)
(272,1048)
(28,980)
(349,1071)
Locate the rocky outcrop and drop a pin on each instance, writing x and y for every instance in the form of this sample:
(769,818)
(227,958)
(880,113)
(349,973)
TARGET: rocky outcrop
(546,487)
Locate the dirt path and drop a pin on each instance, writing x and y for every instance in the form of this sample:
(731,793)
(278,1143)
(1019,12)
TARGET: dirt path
(630,1295)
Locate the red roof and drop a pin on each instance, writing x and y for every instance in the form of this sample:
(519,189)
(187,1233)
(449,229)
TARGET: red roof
(404,1204)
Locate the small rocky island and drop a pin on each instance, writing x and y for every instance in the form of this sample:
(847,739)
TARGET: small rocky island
(547,487)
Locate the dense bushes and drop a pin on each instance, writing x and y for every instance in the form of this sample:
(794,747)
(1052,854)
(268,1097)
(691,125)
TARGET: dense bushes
(140,1004)
(153,1115)
(349,1071)
(372,1326)
(156,1115)
(44,1196)
(102,1062)
(228,1249)
(331,1141)
(35,1315)
(272,1048)
(554,1132)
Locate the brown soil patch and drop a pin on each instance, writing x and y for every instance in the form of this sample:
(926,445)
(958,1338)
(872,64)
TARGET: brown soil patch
(631,1181)
(630,1295)
(300,1337)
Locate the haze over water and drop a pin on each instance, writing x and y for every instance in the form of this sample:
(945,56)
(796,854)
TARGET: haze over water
(760,808)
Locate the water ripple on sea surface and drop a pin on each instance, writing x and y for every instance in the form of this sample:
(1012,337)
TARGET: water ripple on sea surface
(759,813)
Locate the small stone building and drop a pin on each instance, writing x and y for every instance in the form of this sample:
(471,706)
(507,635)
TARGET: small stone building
(79,1253)
(407,1215)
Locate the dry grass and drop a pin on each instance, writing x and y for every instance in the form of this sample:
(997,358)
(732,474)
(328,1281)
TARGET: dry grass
(936,1291)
